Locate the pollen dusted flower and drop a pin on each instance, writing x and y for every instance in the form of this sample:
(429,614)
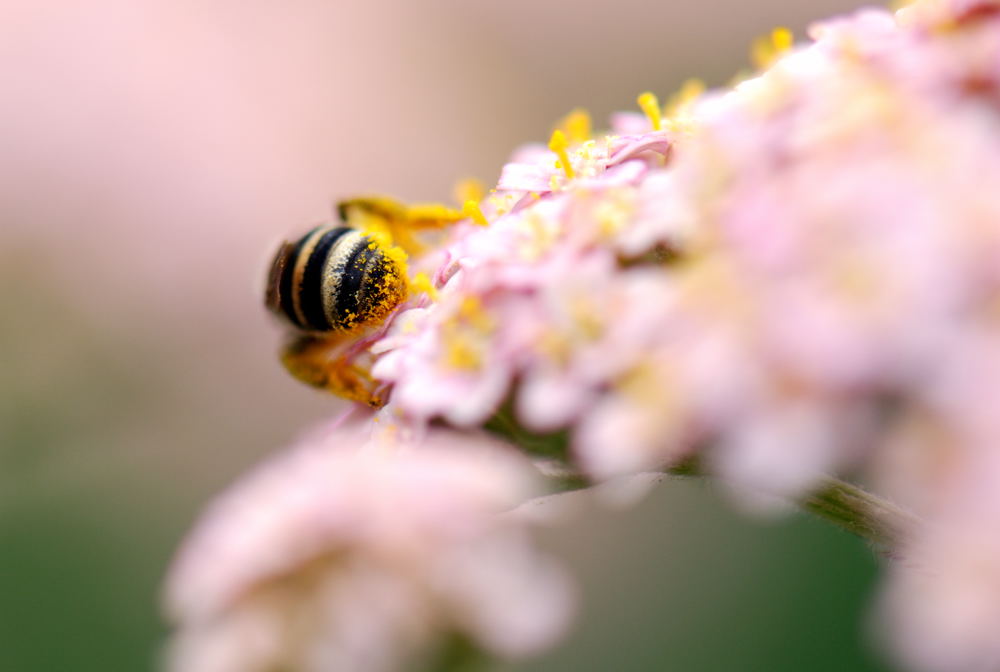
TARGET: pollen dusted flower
(785,281)
(357,552)
(789,279)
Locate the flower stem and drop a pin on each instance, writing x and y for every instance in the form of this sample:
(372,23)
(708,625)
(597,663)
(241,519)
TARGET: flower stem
(869,516)
(849,507)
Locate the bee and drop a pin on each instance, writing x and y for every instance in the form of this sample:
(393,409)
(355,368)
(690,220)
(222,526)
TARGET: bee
(334,278)
(335,287)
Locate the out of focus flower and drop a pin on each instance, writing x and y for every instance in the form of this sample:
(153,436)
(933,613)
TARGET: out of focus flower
(356,552)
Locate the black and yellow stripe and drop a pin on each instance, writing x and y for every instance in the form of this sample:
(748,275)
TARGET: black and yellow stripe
(334,278)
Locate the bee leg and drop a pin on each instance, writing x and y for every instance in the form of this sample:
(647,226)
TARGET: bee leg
(421,216)
(381,207)
(381,214)
(322,362)
(356,211)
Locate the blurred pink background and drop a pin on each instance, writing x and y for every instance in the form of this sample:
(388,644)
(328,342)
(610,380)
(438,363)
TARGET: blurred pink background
(153,152)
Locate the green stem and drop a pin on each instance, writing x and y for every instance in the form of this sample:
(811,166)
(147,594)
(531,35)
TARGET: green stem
(858,511)
(844,504)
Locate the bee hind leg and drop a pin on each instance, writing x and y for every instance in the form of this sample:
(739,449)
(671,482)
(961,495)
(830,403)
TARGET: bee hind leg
(417,216)
(396,220)
(323,362)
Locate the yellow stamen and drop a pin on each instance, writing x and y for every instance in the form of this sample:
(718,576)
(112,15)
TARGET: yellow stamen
(464,334)
(469,189)
(760,52)
(782,39)
(471,311)
(558,144)
(472,210)
(576,125)
(422,283)
(651,107)
(380,238)
(690,90)
(501,204)
(765,50)
(460,354)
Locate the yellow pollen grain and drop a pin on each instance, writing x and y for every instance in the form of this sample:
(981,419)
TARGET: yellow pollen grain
(650,106)
(576,125)
(558,144)
(396,259)
(376,228)
(472,210)
(396,255)
(500,204)
(469,189)
(422,283)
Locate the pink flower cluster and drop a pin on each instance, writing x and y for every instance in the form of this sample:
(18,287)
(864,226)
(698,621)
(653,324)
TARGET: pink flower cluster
(801,278)
(547,296)
(793,278)
(354,553)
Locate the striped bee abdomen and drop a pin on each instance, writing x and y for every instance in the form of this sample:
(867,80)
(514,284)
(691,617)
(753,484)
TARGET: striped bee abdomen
(334,278)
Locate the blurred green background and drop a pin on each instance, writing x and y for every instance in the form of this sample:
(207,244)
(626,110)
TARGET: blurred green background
(153,153)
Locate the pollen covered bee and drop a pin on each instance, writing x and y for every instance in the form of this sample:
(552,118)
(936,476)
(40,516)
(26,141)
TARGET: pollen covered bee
(335,278)
(337,284)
